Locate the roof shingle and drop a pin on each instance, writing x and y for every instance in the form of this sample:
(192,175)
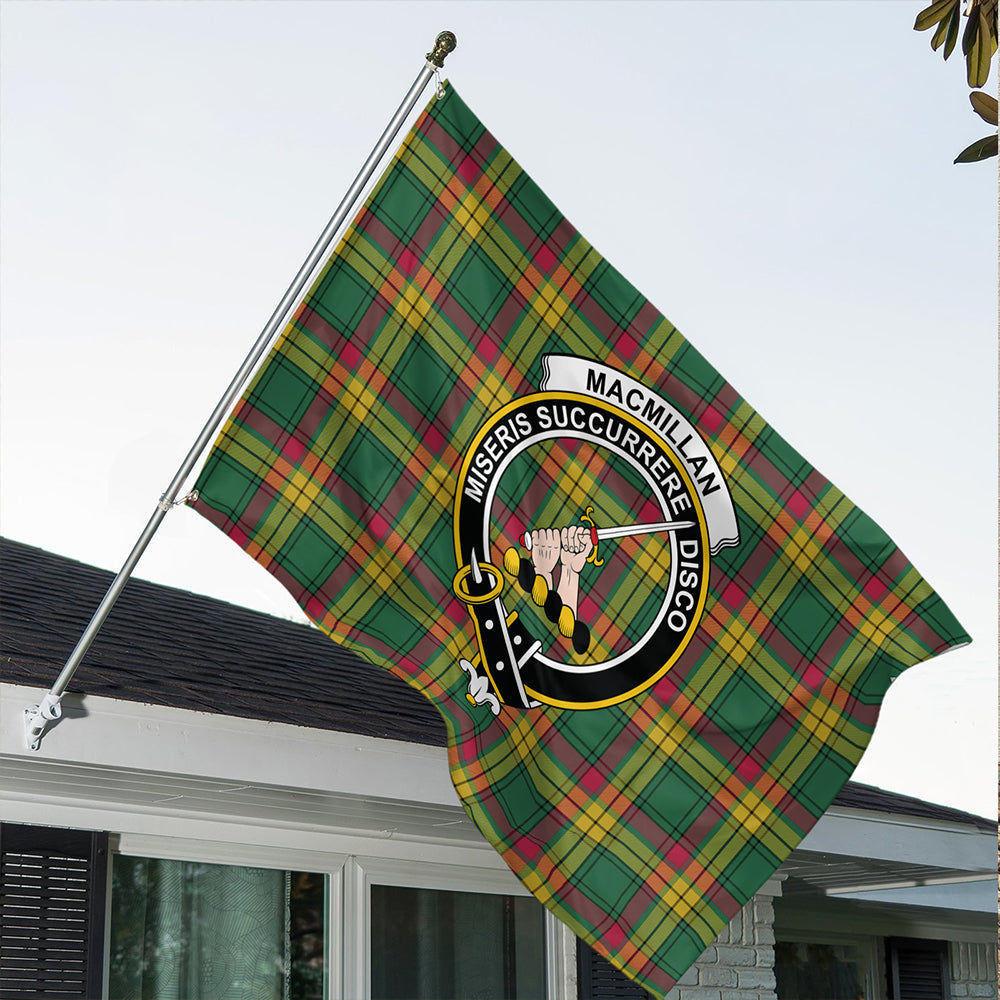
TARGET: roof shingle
(169,647)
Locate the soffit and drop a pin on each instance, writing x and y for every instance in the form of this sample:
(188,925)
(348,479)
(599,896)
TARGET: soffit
(810,873)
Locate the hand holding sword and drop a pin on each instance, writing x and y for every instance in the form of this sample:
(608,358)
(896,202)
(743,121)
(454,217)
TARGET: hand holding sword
(529,538)
(569,547)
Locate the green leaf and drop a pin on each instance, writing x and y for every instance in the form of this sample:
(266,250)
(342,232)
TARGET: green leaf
(944,29)
(981,149)
(985,105)
(979,58)
(970,35)
(930,16)
(954,23)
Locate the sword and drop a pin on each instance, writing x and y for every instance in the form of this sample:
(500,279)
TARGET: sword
(623,531)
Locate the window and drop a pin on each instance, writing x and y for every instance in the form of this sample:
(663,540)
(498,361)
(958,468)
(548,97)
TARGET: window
(190,930)
(428,944)
(198,919)
(431,931)
(814,970)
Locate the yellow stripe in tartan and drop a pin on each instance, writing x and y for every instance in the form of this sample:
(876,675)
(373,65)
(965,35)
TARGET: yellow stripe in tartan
(876,626)
(821,721)
(248,450)
(524,737)
(302,490)
(653,559)
(359,398)
(367,261)
(392,341)
(653,933)
(570,852)
(278,527)
(680,902)
(549,303)
(581,483)
(506,253)
(730,463)
(470,215)
(640,770)
(709,681)
(496,385)
(368,587)
(538,886)
(394,337)
(413,306)
(751,812)
(801,547)
(600,821)
(737,643)
(511,756)
(601,816)
(912,589)
(624,612)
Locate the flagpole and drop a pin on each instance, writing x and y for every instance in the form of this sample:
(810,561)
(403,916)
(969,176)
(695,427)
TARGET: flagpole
(37,717)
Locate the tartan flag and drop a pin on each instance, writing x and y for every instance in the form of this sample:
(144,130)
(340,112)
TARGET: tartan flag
(659,639)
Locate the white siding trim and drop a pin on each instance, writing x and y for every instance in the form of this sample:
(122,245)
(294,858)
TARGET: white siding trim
(133,735)
(909,840)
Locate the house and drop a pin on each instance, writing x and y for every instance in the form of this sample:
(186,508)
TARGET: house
(234,806)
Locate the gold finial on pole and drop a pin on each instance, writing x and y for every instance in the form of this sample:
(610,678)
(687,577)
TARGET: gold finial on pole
(443,44)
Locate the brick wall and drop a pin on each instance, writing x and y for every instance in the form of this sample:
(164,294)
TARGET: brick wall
(739,964)
(973,970)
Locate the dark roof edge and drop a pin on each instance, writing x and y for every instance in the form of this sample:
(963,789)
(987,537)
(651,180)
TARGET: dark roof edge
(870,798)
(111,572)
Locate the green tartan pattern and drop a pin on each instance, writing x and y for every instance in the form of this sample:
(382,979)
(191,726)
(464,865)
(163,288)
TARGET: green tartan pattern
(646,824)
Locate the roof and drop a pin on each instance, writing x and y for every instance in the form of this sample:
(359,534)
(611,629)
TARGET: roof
(870,799)
(169,647)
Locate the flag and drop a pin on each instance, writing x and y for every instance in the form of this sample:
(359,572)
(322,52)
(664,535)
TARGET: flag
(658,638)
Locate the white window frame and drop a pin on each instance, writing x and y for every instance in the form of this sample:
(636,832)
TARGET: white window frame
(349,882)
(361,873)
(331,865)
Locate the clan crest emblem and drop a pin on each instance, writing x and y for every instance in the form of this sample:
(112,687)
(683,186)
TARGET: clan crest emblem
(585,518)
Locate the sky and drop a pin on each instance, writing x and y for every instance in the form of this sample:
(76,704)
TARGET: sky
(775,176)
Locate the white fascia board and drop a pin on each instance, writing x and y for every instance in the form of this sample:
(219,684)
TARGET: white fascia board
(179,825)
(904,839)
(113,733)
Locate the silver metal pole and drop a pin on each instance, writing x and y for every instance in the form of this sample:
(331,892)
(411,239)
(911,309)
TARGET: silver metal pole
(37,717)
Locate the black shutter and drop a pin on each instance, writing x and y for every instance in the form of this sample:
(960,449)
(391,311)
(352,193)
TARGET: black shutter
(917,969)
(598,979)
(53,889)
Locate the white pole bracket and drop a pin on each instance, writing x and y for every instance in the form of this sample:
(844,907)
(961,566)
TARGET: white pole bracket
(37,717)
